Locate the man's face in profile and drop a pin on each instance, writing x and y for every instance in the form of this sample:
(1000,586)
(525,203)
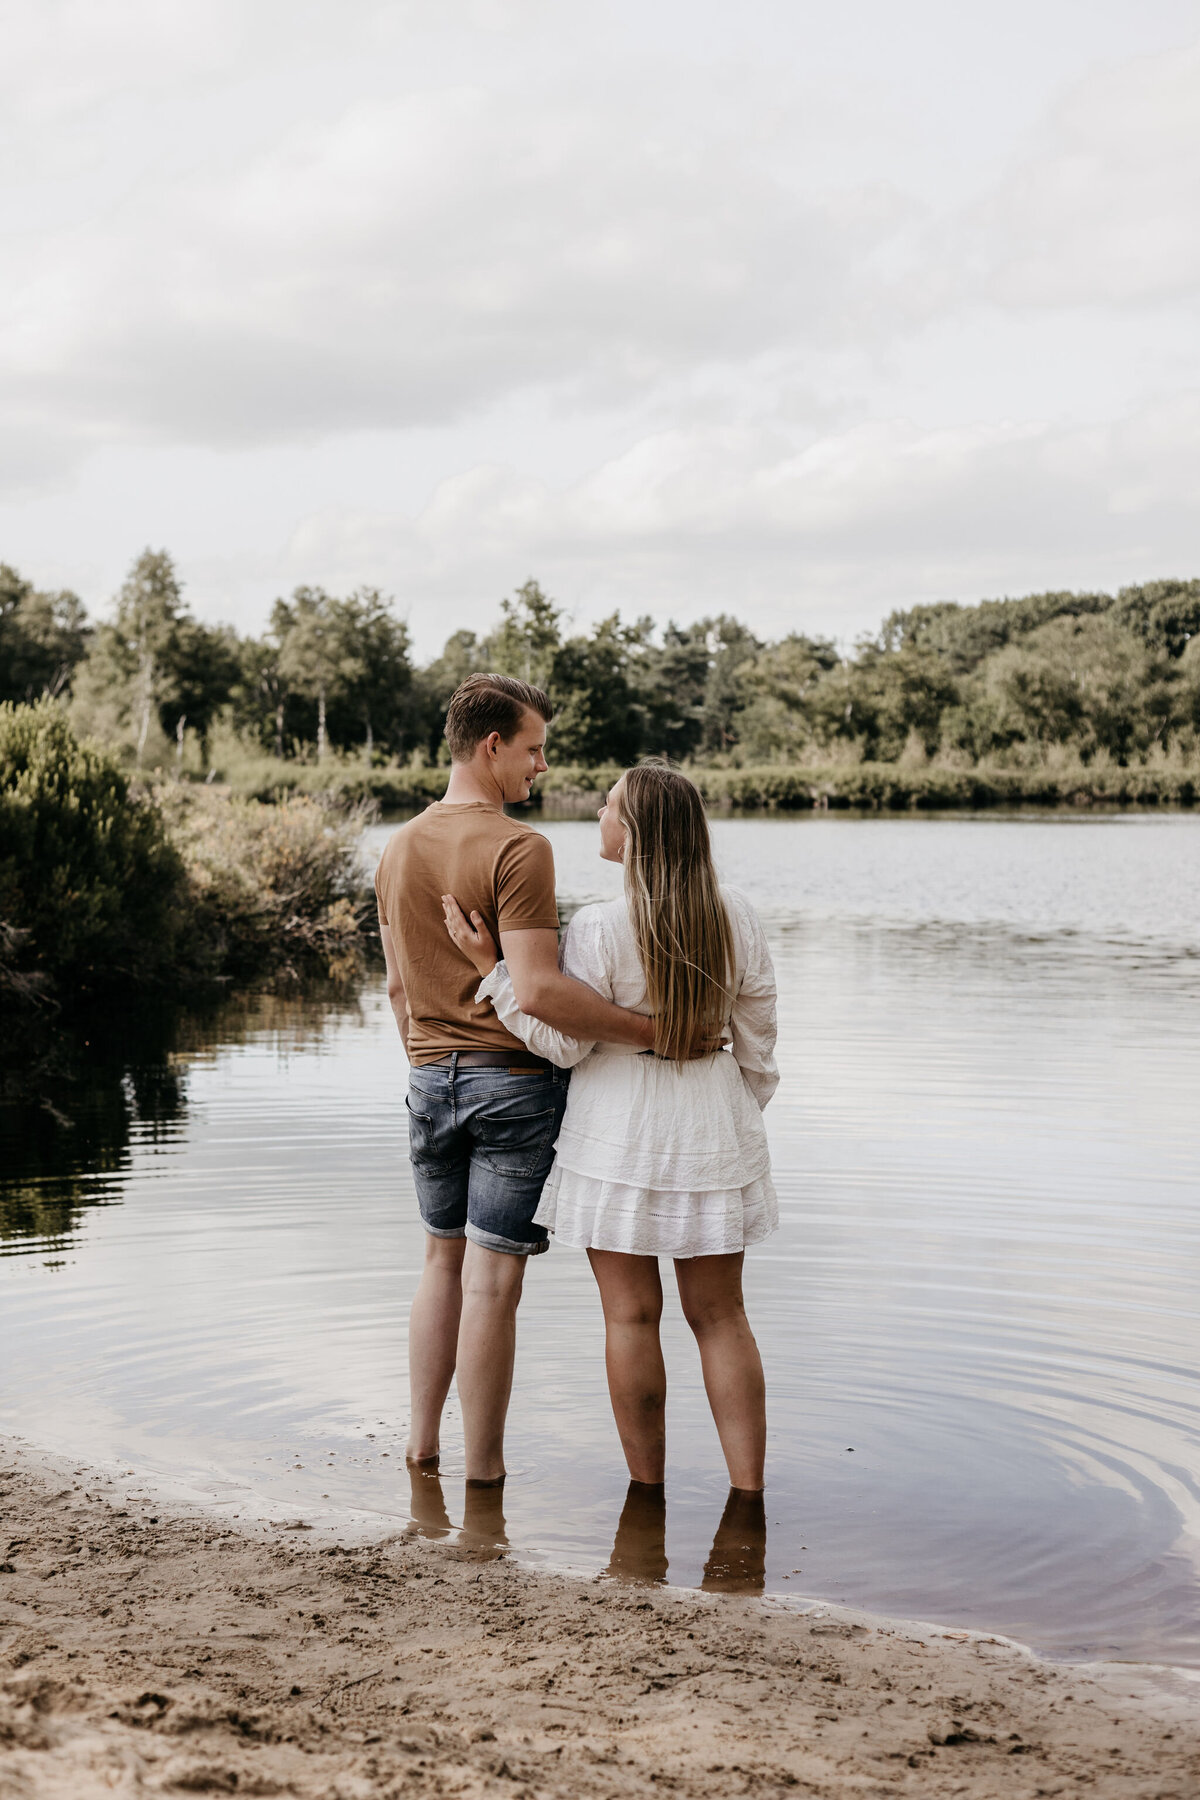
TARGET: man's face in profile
(519,762)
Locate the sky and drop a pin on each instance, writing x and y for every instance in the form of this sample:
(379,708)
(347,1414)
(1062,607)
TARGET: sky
(797,312)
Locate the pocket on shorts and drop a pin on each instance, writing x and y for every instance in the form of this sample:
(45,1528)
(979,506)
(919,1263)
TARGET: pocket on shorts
(422,1128)
(515,1134)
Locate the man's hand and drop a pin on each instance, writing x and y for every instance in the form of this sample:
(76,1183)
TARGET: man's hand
(471,936)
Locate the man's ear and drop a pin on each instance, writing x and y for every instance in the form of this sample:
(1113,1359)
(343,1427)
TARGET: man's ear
(492,741)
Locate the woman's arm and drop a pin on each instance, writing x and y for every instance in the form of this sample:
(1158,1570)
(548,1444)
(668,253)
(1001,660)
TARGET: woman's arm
(753,1023)
(542,1039)
(477,944)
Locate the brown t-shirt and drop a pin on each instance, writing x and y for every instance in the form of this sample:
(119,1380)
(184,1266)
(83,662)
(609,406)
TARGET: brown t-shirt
(492,865)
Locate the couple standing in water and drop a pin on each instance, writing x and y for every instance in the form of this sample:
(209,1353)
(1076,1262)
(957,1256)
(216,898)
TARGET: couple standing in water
(610,1095)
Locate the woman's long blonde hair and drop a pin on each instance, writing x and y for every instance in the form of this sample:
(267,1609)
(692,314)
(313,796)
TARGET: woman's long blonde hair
(680,923)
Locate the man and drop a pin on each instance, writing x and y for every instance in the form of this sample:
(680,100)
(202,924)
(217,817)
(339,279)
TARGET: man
(483,1112)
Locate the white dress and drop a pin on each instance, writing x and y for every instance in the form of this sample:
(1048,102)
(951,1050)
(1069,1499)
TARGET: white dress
(657,1158)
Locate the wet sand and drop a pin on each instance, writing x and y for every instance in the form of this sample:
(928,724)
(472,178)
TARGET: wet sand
(143,1652)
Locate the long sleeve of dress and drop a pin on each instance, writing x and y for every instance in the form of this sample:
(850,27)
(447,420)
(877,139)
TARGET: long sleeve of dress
(582,956)
(753,1023)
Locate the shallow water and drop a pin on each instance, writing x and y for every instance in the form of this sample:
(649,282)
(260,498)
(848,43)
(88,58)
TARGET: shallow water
(979,1317)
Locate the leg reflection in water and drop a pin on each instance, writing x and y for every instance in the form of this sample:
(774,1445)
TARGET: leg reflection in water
(483,1519)
(428,1503)
(737,1562)
(639,1553)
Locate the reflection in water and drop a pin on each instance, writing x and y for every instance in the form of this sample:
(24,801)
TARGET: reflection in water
(639,1552)
(70,1102)
(737,1562)
(483,1519)
(483,1528)
(427,1501)
(74,1098)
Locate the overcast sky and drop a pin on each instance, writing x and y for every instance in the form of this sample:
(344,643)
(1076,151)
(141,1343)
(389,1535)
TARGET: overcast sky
(797,311)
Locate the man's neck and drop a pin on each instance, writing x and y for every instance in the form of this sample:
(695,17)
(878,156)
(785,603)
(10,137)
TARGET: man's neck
(468,786)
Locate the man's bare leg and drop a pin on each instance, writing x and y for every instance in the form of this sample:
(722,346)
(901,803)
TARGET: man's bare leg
(487,1341)
(432,1342)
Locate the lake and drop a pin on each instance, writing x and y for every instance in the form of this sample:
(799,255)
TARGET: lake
(979,1318)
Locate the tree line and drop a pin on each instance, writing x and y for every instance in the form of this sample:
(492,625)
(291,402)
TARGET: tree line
(1103,676)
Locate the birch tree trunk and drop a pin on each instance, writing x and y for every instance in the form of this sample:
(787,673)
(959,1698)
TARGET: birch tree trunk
(147,686)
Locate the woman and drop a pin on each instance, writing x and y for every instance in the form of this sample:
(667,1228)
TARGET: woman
(658,1155)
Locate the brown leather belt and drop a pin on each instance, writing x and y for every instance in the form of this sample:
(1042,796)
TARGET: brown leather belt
(517,1060)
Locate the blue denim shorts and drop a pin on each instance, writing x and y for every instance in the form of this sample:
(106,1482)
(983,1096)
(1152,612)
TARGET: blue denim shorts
(481,1142)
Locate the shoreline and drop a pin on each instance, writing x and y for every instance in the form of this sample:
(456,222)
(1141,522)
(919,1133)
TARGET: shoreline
(145,1649)
(867,787)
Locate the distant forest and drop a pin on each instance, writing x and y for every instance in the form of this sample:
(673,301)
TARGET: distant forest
(1107,679)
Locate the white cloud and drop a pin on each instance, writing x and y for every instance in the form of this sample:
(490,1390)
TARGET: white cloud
(849,525)
(417,258)
(1102,206)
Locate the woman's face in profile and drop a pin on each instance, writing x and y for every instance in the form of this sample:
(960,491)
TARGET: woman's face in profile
(612,832)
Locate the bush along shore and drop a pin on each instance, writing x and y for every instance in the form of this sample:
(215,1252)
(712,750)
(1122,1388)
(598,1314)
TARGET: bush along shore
(108,886)
(774,787)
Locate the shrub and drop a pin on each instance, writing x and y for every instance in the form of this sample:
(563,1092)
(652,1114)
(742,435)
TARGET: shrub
(272,889)
(89,883)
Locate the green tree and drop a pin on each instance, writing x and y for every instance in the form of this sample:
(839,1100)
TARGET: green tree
(965,636)
(260,694)
(375,689)
(527,638)
(777,720)
(43,636)
(315,657)
(434,685)
(889,697)
(141,639)
(1086,682)
(202,666)
(597,718)
(670,681)
(1164,614)
(732,648)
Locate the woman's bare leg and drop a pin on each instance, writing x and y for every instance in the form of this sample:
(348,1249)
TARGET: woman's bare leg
(710,1290)
(433,1342)
(631,1295)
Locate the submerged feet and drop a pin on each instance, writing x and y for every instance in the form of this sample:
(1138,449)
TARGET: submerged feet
(639,1552)
(737,1562)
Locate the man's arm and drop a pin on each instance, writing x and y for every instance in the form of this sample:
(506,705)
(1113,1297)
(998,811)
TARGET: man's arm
(570,1006)
(395,982)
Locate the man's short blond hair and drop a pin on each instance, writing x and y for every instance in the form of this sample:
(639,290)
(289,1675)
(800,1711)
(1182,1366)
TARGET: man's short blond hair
(487,703)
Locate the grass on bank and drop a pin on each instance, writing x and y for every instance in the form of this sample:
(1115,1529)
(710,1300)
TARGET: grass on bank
(1057,778)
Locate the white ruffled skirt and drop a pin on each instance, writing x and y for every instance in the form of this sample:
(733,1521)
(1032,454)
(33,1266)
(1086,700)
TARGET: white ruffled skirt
(588,1213)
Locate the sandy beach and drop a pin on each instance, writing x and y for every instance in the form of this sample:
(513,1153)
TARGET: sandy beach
(144,1653)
